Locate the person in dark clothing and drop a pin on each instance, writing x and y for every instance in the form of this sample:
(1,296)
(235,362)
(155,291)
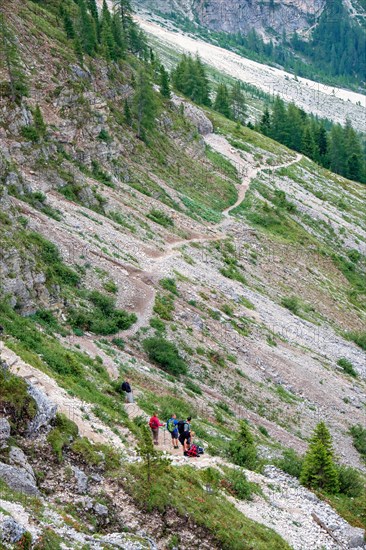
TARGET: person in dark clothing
(184,429)
(126,387)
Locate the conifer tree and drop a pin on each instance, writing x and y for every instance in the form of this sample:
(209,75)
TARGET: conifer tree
(10,61)
(279,126)
(337,153)
(68,25)
(127,113)
(124,10)
(319,470)
(242,449)
(88,34)
(164,83)
(265,123)
(222,102)
(145,104)
(237,103)
(38,121)
(308,146)
(106,34)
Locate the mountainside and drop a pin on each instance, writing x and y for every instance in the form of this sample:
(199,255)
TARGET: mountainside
(146,238)
(245,15)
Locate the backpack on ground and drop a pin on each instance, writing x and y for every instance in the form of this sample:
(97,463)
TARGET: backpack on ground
(171,425)
(180,426)
(192,451)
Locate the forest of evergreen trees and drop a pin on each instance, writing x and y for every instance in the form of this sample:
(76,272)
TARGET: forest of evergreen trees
(340,148)
(335,53)
(331,145)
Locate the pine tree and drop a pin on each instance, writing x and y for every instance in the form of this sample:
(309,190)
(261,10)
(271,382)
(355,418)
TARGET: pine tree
(68,25)
(189,77)
(153,461)
(88,34)
(237,103)
(265,123)
(222,102)
(38,121)
(11,62)
(127,113)
(279,126)
(322,143)
(145,104)
(106,34)
(296,119)
(124,10)
(164,82)
(242,448)
(308,146)
(337,153)
(319,470)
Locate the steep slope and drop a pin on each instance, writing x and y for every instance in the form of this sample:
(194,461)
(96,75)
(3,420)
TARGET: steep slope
(247,257)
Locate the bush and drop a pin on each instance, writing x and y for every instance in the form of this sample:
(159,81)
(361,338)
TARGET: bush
(292,303)
(30,133)
(62,434)
(164,306)
(15,402)
(239,485)
(119,343)
(160,217)
(165,354)
(157,324)
(104,136)
(291,463)
(358,434)
(193,387)
(358,338)
(350,481)
(170,285)
(242,449)
(347,366)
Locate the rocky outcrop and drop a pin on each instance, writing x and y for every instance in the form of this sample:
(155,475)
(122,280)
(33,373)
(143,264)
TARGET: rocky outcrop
(243,15)
(10,531)
(194,115)
(4,432)
(18,479)
(46,411)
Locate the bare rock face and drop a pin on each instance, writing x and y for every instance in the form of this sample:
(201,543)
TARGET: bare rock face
(18,479)
(4,432)
(46,411)
(243,15)
(195,115)
(10,531)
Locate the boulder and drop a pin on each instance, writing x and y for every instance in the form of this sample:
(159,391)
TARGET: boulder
(46,411)
(18,479)
(17,458)
(4,432)
(81,480)
(100,509)
(194,115)
(10,531)
(355,537)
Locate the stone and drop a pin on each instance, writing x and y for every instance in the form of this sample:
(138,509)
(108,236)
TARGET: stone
(355,537)
(18,479)
(100,509)
(10,531)
(81,480)
(195,115)
(17,458)
(4,432)
(46,411)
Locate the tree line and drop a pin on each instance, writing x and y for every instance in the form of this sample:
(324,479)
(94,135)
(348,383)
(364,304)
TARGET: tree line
(339,148)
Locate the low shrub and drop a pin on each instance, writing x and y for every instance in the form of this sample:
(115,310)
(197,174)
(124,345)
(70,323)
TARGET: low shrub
(160,217)
(347,366)
(358,434)
(15,402)
(165,354)
(358,337)
(291,463)
(62,434)
(193,387)
(170,285)
(350,481)
(292,303)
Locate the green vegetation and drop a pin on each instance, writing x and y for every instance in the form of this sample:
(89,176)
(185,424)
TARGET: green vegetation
(189,78)
(15,402)
(62,434)
(170,285)
(15,84)
(96,454)
(49,540)
(242,449)
(319,470)
(291,463)
(160,217)
(164,306)
(357,337)
(347,366)
(165,354)
(358,434)
(102,318)
(187,496)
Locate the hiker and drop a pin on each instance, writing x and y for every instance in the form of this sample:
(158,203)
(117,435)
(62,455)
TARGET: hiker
(171,426)
(184,429)
(126,387)
(154,424)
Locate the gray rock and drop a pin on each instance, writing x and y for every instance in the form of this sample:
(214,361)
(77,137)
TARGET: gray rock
(195,115)
(17,458)
(18,479)
(81,479)
(355,537)
(10,531)
(4,432)
(100,509)
(46,411)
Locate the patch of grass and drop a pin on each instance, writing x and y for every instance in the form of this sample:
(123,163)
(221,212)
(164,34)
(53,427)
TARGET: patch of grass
(63,432)
(49,540)
(165,354)
(347,366)
(358,337)
(96,454)
(292,303)
(187,496)
(160,217)
(284,395)
(164,307)
(110,286)
(157,324)
(193,387)
(291,463)
(170,285)
(15,402)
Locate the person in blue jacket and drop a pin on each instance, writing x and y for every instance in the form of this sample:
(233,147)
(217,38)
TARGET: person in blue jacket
(171,426)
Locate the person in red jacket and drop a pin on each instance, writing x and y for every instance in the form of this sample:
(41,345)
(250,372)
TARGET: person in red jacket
(154,424)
